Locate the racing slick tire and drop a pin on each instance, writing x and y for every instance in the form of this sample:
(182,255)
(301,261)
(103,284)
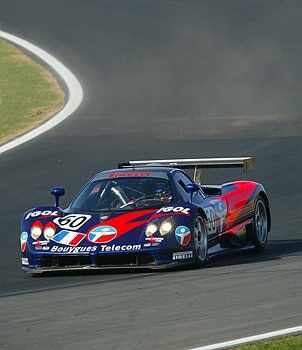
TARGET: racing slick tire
(260,224)
(200,241)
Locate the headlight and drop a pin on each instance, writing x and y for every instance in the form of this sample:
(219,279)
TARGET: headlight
(36,230)
(166,226)
(151,229)
(49,231)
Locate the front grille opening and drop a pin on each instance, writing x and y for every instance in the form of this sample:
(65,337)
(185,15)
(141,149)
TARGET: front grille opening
(125,259)
(119,260)
(65,261)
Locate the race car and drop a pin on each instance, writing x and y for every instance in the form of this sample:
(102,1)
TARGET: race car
(147,214)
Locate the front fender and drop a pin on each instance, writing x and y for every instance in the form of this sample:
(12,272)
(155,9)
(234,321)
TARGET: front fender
(183,215)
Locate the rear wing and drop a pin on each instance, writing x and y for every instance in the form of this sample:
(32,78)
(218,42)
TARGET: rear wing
(247,163)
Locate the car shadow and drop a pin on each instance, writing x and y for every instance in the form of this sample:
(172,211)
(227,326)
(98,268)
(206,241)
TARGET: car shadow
(275,250)
(91,272)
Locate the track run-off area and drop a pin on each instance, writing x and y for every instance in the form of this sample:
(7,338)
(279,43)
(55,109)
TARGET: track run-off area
(164,79)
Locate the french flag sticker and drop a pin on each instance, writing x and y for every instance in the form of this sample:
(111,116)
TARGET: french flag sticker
(69,238)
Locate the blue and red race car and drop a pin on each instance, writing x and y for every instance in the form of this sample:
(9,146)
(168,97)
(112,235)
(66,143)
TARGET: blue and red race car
(147,214)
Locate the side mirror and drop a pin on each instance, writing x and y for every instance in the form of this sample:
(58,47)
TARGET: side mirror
(57,192)
(192,188)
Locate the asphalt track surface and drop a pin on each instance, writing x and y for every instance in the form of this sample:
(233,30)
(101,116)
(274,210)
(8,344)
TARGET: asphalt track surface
(161,79)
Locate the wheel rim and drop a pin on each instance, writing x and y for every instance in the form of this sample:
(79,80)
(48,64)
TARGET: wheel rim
(261,222)
(200,237)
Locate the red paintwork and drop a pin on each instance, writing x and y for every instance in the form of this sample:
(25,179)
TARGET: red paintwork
(37,223)
(238,200)
(237,228)
(23,246)
(124,223)
(50,224)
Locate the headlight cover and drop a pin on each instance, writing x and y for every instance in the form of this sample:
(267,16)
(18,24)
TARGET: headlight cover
(49,230)
(166,226)
(151,229)
(36,230)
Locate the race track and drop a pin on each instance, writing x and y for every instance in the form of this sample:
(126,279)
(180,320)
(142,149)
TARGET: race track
(161,79)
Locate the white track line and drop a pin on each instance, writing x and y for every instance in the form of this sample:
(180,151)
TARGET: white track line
(75,91)
(232,343)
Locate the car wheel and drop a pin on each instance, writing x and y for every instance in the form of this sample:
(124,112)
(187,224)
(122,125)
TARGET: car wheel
(200,241)
(260,225)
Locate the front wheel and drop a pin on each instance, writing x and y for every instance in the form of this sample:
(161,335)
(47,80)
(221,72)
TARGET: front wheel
(260,225)
(200,241)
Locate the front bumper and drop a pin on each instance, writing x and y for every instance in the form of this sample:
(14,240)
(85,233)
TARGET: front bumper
(140,260)
(41,270)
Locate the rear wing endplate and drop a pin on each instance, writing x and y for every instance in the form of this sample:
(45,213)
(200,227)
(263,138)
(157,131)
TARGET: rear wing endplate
(247,163)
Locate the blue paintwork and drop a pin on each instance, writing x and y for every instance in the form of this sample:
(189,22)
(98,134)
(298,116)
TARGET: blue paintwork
(193,187)
(57,192)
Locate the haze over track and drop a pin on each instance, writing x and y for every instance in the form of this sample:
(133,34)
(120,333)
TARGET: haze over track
(163,79)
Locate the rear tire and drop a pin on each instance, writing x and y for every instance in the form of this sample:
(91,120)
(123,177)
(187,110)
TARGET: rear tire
(260,224)
(200,237)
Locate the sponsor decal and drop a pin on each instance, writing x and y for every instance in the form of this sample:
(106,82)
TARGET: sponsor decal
(23,240)
(183,235)
(102,234)
(73,250)
(154,239)
(45,213)
(42,247)
(129,174)
(40,243)
(178,210)
(68,238)
(221,212)
(117,248)
(24,261)
(72,221)
(183,255)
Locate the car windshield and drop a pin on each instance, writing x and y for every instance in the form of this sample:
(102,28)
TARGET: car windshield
(125,193)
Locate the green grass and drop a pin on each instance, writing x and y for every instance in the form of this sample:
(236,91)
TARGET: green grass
(28,93)
(288,343)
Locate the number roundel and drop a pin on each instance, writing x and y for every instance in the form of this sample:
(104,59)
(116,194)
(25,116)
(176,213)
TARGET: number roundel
(72,221)
(211,219)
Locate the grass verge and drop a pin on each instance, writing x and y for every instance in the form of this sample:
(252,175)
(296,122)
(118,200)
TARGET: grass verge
(29,94)
(288,343)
